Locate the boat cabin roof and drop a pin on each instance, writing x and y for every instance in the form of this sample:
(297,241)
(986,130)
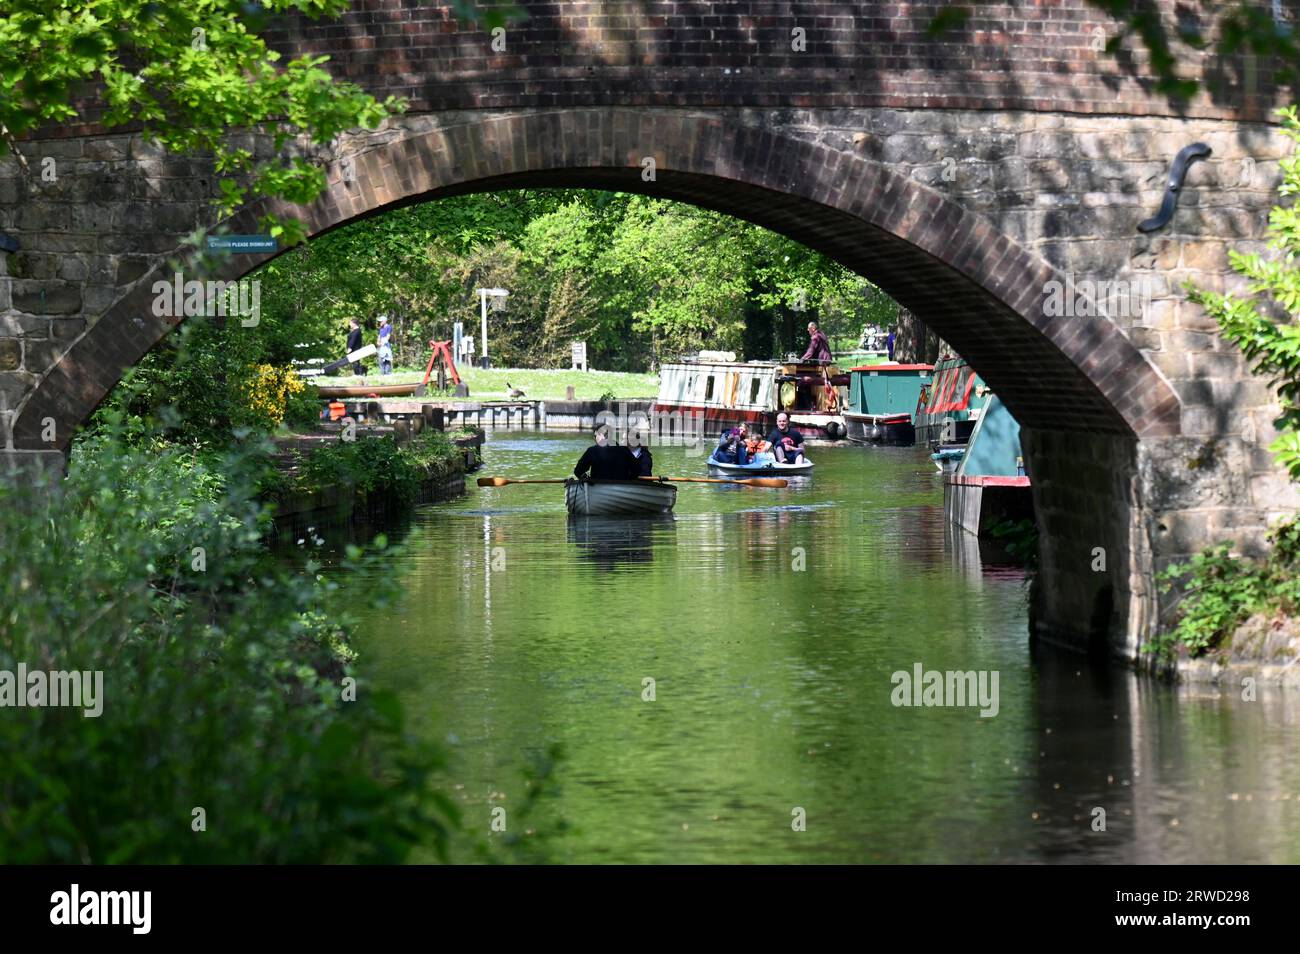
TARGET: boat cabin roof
(894,367)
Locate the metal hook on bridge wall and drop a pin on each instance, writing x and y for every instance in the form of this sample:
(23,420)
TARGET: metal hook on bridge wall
(1186,156)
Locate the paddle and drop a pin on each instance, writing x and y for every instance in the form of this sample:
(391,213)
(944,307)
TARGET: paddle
(503,481)
(775,482)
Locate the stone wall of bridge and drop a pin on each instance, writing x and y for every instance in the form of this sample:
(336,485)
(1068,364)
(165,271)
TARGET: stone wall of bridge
(966,176)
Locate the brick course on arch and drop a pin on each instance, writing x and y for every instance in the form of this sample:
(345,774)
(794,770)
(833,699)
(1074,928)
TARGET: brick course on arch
(979,290)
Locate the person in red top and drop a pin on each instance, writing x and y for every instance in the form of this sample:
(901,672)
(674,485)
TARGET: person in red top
(819,349)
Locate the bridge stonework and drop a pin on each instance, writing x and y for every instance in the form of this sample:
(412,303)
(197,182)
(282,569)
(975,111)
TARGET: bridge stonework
(969,181)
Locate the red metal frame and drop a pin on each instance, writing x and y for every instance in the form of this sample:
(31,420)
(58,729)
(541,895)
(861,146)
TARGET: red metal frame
(441,349)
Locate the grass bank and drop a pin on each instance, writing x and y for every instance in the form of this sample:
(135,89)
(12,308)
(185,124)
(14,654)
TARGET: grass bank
(537,383)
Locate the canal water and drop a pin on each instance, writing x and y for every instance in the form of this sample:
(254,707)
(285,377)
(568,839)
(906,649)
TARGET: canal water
(721,684)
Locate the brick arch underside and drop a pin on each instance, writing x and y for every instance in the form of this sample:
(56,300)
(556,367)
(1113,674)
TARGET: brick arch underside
(972,285)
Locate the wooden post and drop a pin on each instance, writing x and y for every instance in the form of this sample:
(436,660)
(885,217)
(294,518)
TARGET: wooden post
(568,393)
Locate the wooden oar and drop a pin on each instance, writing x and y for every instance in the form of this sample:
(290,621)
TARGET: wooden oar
(503,481)
(774,482)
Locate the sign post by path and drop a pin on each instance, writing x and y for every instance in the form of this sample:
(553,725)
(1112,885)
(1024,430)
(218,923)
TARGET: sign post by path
(579,356)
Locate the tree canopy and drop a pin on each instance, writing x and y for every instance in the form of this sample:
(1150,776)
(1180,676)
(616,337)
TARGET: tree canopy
(194,77)
(639,279)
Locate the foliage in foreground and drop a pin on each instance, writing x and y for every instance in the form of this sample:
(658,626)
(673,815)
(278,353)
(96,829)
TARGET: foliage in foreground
(208,379)
(222,684)
(193,77)
(1221,591)
(1251,323)
(375,464)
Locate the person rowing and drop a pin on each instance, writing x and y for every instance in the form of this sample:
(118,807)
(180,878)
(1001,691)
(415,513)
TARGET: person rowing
(640,453)
(605,462)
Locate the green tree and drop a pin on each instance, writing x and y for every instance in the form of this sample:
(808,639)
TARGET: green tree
(1261,323)
(639,279)
(193,76)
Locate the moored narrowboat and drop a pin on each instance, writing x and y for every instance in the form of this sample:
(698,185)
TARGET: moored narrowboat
(989,483)
(713,392)
(882,399)
(950,404)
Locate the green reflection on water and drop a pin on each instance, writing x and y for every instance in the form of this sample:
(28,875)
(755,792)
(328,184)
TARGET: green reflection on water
(772,685)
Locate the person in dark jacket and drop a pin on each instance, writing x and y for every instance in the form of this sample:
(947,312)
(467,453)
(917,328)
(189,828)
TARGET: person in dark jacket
(641,453)
(605,462)
(819,348)
(354,342)
(786,441)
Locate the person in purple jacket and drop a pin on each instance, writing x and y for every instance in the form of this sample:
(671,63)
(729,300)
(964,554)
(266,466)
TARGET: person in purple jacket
(819,349)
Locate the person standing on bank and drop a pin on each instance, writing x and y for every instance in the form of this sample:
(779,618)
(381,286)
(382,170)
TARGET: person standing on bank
(354,344)
(385,349)
(605,462)
(819,348)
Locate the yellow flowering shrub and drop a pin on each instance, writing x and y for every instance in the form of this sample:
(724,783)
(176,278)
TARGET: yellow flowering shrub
(268,390)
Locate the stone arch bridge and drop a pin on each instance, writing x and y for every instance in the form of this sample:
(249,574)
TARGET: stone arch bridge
(965,174)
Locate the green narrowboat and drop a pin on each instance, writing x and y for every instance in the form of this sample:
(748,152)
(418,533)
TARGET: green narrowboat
(882,399)
(989,484)
(950,404)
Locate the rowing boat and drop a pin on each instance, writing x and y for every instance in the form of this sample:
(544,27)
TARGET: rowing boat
(614,497)
(766,464)
(371,390)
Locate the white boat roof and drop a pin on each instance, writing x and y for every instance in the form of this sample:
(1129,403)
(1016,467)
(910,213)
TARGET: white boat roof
(705,362)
